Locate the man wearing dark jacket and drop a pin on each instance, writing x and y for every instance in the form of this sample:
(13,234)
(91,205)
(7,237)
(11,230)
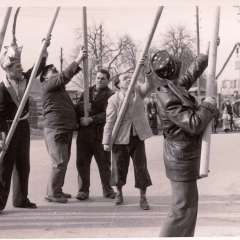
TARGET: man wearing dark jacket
(59,123)
(17,157)
(183,122)
(152,111)
(89,139)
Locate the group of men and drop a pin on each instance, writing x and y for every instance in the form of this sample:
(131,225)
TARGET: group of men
(182,121)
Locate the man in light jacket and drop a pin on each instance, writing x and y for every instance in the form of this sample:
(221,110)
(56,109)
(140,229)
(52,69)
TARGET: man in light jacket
(129,141)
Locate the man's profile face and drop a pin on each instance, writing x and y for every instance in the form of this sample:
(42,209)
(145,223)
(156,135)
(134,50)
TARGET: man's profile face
(124,81)
(51,71)
(15,71)
(235,94)
(101,80)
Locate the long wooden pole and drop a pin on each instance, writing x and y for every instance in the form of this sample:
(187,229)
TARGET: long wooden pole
(85,65)
(135,77)
(206,139)
(31,80)
(4,25)
(198,48)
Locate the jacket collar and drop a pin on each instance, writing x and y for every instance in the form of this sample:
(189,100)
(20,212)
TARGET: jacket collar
(11,90)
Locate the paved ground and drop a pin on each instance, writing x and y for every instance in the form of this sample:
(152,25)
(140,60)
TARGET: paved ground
(219,205)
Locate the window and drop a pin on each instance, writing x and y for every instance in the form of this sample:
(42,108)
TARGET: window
(225,84)
(233,84)
(237,65)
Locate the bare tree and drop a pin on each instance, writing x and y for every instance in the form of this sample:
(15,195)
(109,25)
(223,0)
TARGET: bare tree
(180,43)
(117,56)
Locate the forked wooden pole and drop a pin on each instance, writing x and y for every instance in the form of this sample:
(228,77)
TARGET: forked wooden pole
(135,77)
(4,25)
(32,78)
(85,65)
(206,139)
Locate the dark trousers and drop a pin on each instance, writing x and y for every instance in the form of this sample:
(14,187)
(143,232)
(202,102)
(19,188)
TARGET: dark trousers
(18,154)
(182,219)
(87,147)
(120,163)
(58,142)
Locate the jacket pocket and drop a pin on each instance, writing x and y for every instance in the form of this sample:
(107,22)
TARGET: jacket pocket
(185,151)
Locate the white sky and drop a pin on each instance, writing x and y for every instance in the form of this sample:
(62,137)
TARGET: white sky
(118,17)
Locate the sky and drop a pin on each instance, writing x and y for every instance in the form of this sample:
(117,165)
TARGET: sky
(118,17)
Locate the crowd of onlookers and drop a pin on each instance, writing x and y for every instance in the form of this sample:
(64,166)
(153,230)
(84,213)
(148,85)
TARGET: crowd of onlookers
(229,114)
(227,120)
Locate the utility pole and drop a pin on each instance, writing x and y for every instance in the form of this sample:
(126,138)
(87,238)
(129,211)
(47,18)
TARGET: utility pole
(100,48)
(198,48)
(61,60)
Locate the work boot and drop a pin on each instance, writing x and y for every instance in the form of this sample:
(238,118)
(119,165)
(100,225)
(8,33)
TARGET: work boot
(26,204)
(143,200)
(56,199)
(66,195)
(82,195)
(110,195)
(119,197)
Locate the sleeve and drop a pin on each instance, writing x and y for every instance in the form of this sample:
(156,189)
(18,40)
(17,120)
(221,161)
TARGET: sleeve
(79,107)
(101,117)
(111,117)
(194,71)
(193,121)
(60,80)
(40,68)
(145,88)
(3,124)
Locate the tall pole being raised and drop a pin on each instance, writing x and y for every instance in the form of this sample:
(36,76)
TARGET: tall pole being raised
(61,60)
(31,80)
(85,65)
(210,89)
(198,47)
(3,27)
(134,78)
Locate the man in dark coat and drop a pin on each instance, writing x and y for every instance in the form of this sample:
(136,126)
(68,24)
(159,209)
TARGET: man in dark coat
(152,111)
(227,104)
(59,123)
(12,89)
(236,104)
(89,139)
(183,122)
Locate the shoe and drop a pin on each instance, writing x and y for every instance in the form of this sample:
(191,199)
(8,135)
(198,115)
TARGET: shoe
(82,196)
(118,199)
(143,203)
(56,199)
(27,204)
(66,195)
(110,195)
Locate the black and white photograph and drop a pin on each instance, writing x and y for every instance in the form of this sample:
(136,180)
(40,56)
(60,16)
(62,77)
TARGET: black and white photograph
(119,119)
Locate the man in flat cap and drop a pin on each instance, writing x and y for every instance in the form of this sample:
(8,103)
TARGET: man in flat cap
(130,139)
(59,123)
(183,122)
(12,89)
